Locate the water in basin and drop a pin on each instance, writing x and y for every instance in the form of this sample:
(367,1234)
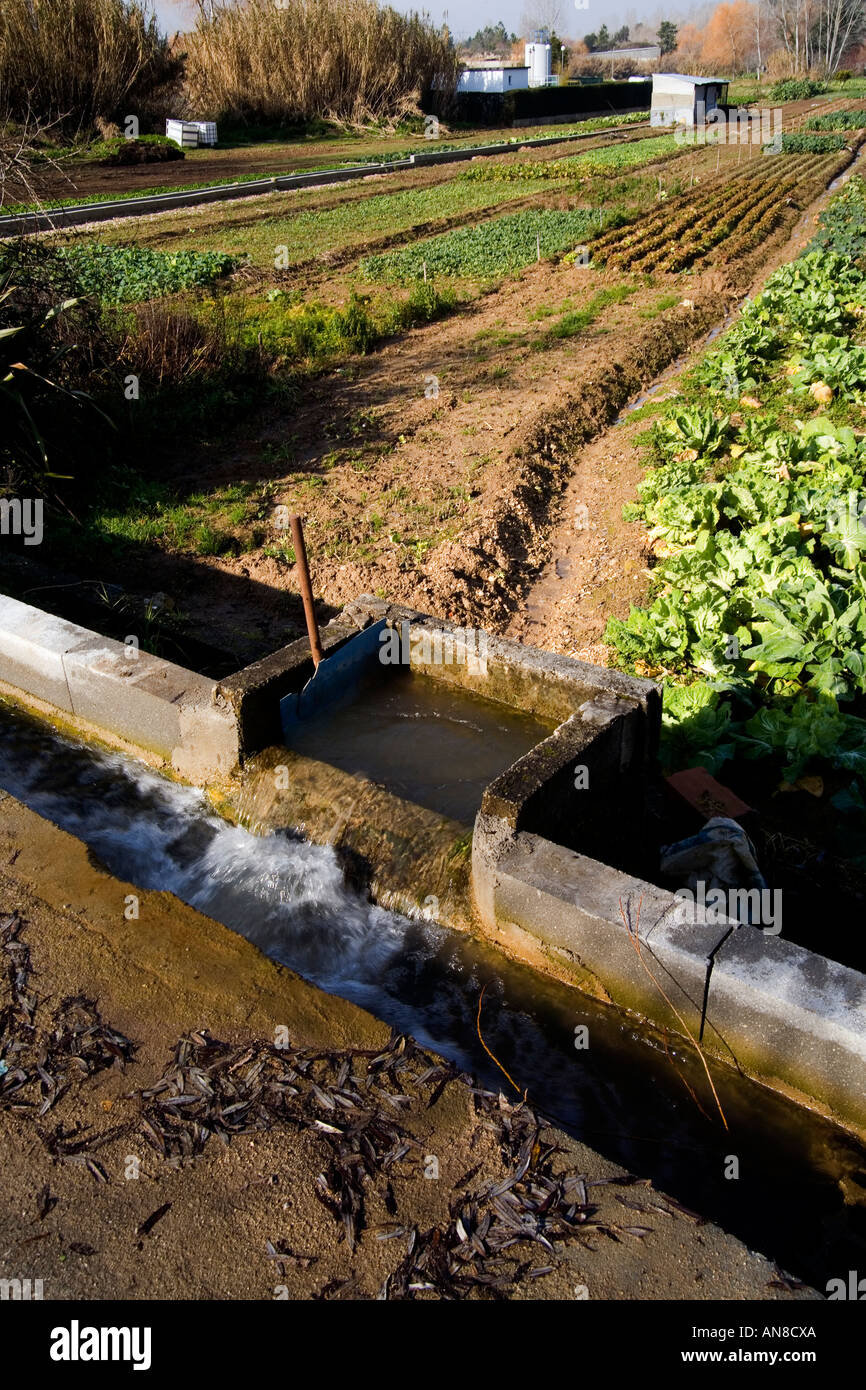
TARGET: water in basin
(427,742)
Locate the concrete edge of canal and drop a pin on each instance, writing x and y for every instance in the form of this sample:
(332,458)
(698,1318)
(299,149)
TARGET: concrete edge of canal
(785,1016)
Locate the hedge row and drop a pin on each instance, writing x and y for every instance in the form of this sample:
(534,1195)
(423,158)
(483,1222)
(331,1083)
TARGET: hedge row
(502,108)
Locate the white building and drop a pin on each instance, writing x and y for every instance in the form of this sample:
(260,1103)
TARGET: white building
(645,53)
(493,78)
(681,100)
(537,57)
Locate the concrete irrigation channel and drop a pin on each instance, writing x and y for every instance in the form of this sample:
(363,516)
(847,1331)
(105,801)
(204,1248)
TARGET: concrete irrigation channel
(54,219)
(517,820)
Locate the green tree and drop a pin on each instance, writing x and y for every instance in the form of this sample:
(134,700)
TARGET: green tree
(667,36)
(591,41)
(603,37)
(621,35)
(494,38)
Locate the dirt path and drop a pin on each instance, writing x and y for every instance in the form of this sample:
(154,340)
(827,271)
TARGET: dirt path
(93,1208)
(599,565)
(411,465)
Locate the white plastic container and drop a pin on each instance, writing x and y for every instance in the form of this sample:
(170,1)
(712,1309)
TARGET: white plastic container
(207,132)
(184,133)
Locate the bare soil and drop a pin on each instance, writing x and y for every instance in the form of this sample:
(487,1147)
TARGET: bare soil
(243,1220)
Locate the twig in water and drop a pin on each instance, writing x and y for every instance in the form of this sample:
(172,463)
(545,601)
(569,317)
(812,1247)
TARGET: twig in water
(489,1053)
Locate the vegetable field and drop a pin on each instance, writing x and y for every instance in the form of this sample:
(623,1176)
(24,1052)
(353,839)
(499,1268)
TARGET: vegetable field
(128,274)
(757,509)
(494,248)
(730,214)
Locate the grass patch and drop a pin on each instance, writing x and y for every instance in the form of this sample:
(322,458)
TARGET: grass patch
(316,333)
(575,321)
(665,302)
(141,512)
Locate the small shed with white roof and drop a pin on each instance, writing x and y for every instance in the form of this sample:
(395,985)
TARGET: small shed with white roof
(678,99)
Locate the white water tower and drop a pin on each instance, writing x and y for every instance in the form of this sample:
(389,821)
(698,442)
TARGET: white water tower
(537,57)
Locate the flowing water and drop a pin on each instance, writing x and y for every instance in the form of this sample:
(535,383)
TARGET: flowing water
(625,1094)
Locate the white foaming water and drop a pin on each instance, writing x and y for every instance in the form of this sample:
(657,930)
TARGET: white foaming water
(285,895)
(302,912)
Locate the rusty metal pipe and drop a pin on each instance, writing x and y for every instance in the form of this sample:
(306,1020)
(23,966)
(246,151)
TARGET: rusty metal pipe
(306,589)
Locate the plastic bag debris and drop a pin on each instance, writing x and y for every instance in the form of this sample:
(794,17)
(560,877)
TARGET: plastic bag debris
(720,857)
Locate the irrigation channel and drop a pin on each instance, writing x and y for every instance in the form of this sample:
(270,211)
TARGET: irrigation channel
(801,1195)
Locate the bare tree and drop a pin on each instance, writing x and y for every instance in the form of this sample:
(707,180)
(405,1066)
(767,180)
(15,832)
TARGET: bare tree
(762,21)
(841,23)
(816,33)
(20,157)
(542,14)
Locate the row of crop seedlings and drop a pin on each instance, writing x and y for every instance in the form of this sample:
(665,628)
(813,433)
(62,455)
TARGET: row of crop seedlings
(749,223)
(724,209)
(741,209)
(756,505)
(670,238)
(610,160)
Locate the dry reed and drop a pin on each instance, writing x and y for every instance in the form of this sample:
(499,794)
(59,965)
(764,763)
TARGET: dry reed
(291,60)
(79,60)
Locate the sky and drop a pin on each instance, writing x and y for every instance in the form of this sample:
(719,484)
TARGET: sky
(466,16)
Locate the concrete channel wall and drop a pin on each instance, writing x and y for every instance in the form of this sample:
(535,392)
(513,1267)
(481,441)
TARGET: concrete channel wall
(785,1015)
(781,1014)
(172,715)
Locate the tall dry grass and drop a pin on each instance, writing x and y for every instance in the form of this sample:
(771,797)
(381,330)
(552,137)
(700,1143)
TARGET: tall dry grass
(81,59)
(292,60)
